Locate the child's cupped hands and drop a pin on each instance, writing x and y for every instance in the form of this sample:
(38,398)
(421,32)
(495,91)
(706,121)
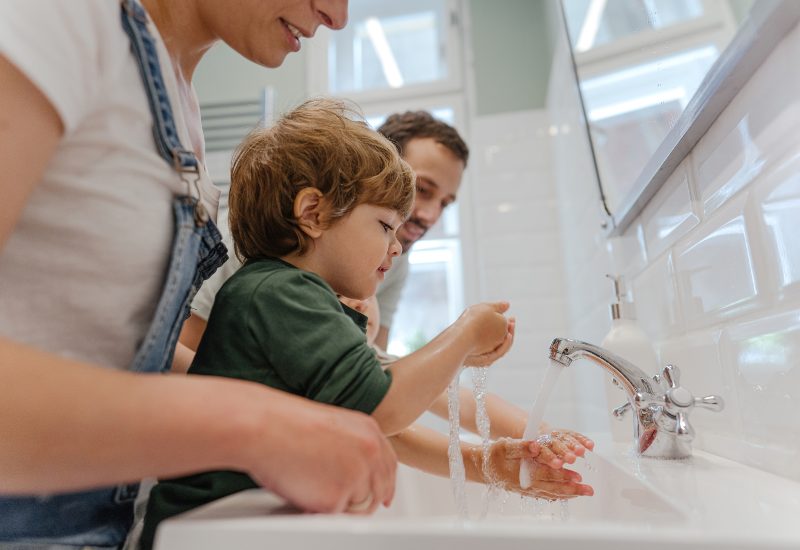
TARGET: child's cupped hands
(492,333)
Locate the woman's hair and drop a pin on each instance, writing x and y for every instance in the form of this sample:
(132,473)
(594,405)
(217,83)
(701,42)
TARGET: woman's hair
(400,128)
(321,144)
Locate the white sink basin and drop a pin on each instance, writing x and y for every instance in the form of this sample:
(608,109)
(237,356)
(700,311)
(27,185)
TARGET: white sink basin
(705,502)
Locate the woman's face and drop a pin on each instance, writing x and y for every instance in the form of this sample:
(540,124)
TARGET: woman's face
(266,31)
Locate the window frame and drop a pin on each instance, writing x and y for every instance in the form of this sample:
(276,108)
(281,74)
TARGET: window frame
(318,67)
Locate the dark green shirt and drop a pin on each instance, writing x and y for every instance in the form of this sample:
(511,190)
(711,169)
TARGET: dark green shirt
(280,326)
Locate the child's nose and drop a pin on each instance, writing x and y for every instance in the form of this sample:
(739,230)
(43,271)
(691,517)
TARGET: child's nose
(395,249)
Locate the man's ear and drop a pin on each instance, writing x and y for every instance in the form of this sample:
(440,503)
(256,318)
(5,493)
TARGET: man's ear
(308,211)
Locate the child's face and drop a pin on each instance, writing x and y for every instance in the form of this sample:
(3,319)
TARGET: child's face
(353,254)
(368,307)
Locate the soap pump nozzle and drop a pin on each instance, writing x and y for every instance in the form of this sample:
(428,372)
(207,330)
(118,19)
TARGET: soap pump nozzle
(622,308)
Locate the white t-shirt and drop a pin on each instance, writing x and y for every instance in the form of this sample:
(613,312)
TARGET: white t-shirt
(82,272)
(391,289)
(204,299)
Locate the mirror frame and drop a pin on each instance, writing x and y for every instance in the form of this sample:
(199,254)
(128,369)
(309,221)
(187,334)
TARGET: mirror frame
(760,33)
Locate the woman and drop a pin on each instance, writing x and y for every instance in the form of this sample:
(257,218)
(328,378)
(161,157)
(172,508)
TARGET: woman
(105,233)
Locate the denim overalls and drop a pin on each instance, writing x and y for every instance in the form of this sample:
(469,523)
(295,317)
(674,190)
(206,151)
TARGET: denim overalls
(101,518)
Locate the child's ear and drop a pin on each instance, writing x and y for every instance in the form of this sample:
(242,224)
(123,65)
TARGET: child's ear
(308,211)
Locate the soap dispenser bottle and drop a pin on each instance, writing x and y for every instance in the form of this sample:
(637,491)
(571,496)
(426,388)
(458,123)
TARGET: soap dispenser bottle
(626,339)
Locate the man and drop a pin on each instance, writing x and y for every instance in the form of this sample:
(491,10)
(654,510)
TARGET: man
(438,156)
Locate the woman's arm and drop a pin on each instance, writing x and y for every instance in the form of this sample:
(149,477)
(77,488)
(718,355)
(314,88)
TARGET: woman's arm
(30,130)
(426,450)
(67,426)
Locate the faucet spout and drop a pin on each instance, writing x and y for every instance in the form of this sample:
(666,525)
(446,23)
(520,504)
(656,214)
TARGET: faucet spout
(630,377)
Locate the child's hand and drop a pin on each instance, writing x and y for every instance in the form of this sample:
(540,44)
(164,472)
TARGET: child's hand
(486,359)
(560,446)
(491,332)
(505,456)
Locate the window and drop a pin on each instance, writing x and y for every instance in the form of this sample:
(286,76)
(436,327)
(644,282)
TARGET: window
(394,57)
(600,22)
(387,47)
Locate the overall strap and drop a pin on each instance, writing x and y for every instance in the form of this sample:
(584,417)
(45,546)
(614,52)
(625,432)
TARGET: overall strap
(134,21)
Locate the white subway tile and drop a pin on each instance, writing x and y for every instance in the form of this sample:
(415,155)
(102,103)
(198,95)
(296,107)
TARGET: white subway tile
(506,186)
(655,300)
(714,270)
(726,160)
(762,355)
(527,281)
(669,215)
(504,250)
(777,199)
(539,314)
(627,251)
(513,217)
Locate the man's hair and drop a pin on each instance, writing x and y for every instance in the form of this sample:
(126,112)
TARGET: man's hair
(400,128)
(321,144)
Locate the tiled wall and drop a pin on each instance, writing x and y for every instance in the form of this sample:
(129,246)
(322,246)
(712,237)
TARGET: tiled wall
(713,261)
(517,243)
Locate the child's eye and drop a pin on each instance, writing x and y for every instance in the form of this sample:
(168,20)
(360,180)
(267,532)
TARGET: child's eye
(387,227)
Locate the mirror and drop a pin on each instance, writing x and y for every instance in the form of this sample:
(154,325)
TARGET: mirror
(639,63)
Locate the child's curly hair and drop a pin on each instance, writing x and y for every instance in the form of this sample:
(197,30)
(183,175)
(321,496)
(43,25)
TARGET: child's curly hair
(322,144)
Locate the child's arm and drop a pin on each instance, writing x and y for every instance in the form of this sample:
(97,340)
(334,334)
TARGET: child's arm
(482,330)
(426,450)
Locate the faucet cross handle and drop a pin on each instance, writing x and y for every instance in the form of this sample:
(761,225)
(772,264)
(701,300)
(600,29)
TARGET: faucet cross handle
(711,402)
(679,399)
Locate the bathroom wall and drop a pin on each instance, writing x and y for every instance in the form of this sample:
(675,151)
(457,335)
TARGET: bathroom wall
(511,52)
(713,261)
(517,246)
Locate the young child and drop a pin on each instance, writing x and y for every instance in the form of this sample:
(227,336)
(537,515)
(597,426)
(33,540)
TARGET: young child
(427,449)
(314,206)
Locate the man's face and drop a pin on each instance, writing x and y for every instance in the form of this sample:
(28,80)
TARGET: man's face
(438,172)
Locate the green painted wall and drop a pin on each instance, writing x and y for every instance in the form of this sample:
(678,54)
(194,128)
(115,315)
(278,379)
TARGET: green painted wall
(512,54)
(224,75)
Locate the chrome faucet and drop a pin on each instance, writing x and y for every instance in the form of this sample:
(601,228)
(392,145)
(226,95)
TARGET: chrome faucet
(660,404)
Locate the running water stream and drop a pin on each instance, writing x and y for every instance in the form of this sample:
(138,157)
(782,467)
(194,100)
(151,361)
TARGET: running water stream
(456,459)
(458,476)
(535,418)
(479,376)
